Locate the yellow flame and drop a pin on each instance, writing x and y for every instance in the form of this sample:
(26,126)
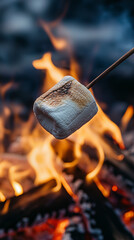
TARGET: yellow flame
(62,225)
(46,63)
(68,188)
(2,197)
(101,124)
(94,172)
(17,188)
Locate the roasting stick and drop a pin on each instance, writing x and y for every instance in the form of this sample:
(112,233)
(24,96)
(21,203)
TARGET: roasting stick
(109,69)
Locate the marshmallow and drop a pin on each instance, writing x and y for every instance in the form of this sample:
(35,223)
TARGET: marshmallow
(65,107)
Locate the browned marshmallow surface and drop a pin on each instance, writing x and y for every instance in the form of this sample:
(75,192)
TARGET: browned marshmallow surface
(65,107)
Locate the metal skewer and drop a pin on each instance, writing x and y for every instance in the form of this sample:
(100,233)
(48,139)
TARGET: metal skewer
(109,69)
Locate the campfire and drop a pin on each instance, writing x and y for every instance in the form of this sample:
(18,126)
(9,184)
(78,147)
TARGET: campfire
(80,187)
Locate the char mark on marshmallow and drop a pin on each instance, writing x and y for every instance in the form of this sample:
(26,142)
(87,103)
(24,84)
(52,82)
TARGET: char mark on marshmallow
(65,108)
(70,90)
(56,95)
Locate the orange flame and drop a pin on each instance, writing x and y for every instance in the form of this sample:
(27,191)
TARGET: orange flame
(68,189)
(128,219)
(6,207)
(104,191)
(127,117)
(53,72)
(96,128)
(128,216)
(5,88)
(17,188)
(2,197)
(36,144)
(58,43)
(54,227)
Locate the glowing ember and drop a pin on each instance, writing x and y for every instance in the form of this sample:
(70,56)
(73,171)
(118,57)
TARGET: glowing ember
(128,219)
(114,188)
(54,227)
(51,229)
(129,216)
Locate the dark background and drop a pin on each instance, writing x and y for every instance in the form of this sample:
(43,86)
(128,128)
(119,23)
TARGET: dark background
(100,32)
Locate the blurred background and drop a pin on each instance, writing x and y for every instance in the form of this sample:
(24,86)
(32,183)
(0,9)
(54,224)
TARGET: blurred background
(99,32)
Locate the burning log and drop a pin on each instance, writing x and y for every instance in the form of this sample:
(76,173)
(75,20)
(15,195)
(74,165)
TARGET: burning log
(102,212)
(106,218)
(15,170)
(40,200)
(92,207)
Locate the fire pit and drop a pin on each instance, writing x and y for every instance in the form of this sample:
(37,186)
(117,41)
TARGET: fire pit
(81,187)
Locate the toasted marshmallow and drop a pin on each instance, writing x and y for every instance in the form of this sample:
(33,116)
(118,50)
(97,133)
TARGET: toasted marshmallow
(65,107)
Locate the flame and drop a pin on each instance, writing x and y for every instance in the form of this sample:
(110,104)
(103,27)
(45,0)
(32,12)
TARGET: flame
(128,216)
(58,43)
(96,128)
(17,188)
(5,88)
(52,228)
(62,225)
(103,125)
(53,72)
(28,139)
(128,219)
(103,190)
(2,197)
(6,207)
(69,189)
(3,130)
(126,117)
